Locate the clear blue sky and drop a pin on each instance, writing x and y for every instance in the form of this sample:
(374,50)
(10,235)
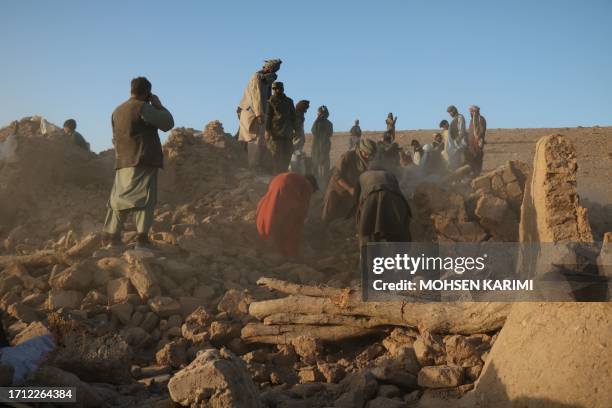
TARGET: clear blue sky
(526,63)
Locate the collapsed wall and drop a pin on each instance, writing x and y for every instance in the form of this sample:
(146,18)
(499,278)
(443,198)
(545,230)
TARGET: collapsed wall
(551,210)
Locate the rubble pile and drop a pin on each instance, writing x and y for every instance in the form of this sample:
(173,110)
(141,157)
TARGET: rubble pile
(48,186)
(488,209)
(213,316)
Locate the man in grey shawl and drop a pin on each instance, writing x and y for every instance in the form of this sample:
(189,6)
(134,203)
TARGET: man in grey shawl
(253,108)
(138,156)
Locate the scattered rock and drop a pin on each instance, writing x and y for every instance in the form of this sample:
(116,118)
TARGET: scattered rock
(333,373)
(118,290)
(308,348)
(214,378)
(164,306)
(443,376)
(173,354)
(59,298)
(123,311)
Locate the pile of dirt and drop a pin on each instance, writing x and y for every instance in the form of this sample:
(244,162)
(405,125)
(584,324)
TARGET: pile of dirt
(48,185)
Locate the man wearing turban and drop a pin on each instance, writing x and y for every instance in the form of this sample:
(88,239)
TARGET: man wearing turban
(253,108)
(476,140)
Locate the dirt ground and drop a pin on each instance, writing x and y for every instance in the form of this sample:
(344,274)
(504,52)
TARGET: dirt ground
(594,146)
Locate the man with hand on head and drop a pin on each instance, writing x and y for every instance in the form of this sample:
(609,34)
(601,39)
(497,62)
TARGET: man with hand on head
(138,157)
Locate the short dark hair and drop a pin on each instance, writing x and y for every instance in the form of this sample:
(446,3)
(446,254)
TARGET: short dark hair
(140,86)
(70,124)
(313,182)
(415,143)
(443,123)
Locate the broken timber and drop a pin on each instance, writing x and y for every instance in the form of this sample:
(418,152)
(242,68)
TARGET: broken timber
(333,314)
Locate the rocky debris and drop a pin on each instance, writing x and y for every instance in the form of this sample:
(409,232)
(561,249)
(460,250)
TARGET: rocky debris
(214,134)
(221,332)
(332,372)
(235,303)
(490,209)
(441,215)
(497,217)
(32,330)
(309,348)
(214,378)
(76,277)
(123,311)
(173,354)
(141,276)
(443,376)
(397,374)
(384,402)
(117,290)
(318,346)
(92,356)
(463,351)
(86,395)
(196,325)
(507,183)
(164,306)
(356,389)
(59,298)
(429,349)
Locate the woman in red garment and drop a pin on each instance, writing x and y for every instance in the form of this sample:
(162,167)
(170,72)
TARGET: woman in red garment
(282,211)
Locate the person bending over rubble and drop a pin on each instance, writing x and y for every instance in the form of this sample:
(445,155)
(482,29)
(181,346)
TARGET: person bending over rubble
(340,195)
(75,137)
(283,209)
(138,156)
(383,214)
(453,148)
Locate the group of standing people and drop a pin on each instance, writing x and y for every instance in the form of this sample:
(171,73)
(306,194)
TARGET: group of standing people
(360,185)
(272,126)
(463,146)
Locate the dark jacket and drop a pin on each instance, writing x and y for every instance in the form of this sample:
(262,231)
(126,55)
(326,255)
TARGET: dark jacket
(136,142)
(383,212)
(281,121)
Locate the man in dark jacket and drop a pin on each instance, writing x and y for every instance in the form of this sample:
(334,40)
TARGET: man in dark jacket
(383,214)
(138,156)
(280,127)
